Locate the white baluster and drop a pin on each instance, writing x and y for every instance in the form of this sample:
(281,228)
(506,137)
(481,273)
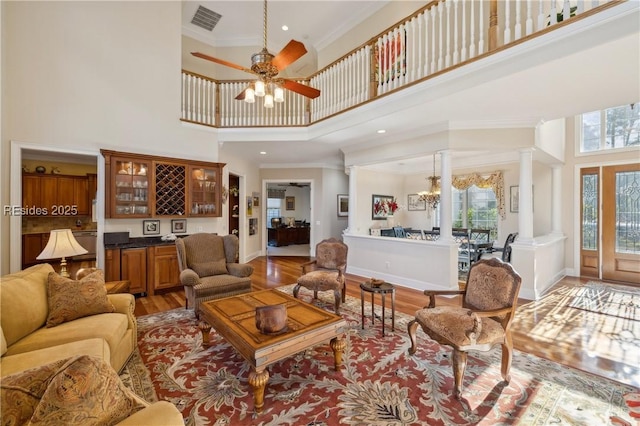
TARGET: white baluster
(507,22)
(379,59)
(412,40)
(529,22)
(367,73)
(472,31)
(425,45)
(553,15)
(541,22)
(456,57)
(517,32)
(481,28)
(433,39)
(566,11)
(463,52)
(580,7)
(440,37)
(447,28)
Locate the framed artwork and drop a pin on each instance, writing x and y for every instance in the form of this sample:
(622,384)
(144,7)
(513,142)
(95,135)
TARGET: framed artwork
(415,203)
(178,226)
(379,209)
(514,198)
(150,227)
(253,225)
(290,203)
(343,205)
(249,205)
(256,199)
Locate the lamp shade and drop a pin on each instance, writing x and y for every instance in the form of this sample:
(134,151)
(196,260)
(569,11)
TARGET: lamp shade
(61,244)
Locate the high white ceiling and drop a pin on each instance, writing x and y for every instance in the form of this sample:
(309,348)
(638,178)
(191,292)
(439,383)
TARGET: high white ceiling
(549,77)
(316,23)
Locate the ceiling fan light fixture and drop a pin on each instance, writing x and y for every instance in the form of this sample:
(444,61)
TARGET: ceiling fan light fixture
(259,88)
(268,100)
(249,96)
(278,94)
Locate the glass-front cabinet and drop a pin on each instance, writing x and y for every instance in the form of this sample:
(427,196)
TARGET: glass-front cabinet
(142,186)
(130,187)
(205,195)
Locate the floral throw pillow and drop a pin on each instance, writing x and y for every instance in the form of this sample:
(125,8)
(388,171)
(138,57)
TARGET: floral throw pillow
(70,299)
(82,390)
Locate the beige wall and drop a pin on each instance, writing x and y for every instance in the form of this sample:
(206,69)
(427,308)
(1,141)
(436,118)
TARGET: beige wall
(74,69)
(389,15)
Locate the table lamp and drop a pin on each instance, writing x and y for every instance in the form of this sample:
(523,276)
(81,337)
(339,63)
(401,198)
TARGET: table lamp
(61,244)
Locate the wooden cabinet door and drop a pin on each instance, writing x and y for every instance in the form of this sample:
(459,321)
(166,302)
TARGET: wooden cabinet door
(81,196)
(65,192)
(32,245)
(31,191)
(49,193)
(112,265)
(133,263)
(166,272)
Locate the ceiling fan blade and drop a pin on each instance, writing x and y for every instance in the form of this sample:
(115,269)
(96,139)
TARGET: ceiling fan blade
(294,86)
(240,96)
(293,51)
(222,62)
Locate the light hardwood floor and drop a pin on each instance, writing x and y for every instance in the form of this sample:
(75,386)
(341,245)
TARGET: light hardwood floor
(618,362)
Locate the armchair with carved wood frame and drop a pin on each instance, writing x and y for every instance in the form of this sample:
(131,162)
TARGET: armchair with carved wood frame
(326,271)
(489,303)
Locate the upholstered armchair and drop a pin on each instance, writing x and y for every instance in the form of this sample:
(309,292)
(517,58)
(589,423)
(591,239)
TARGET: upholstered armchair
(209,268)
(484,320)
(326,271)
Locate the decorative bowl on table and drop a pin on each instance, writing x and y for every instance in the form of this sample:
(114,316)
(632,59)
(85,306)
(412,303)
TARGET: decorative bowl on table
(375,282)
(271,319)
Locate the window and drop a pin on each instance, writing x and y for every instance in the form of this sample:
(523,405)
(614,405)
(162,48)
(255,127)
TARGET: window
(612,128)
(475,208)
(274,206)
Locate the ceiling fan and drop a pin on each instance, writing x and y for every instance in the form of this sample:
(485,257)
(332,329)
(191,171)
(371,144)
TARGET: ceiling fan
(267,66)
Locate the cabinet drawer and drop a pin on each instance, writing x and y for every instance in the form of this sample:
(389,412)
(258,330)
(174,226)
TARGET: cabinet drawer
(165,250)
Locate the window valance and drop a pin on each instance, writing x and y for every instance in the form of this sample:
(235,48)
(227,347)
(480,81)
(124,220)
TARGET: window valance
(494,181)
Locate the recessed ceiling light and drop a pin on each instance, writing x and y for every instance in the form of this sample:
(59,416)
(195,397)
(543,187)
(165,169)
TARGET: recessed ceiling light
(382,131)
(285,28)
(263,152)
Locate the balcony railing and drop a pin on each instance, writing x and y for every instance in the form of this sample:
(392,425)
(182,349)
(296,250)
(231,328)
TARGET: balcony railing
(439,37)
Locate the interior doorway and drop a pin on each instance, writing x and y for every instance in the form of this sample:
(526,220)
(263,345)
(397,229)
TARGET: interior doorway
(288,218)
(610,223)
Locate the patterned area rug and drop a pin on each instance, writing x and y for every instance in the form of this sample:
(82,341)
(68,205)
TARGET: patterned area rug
(379,384)
(616,301)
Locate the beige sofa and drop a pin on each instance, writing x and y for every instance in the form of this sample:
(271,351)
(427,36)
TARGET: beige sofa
(26,342)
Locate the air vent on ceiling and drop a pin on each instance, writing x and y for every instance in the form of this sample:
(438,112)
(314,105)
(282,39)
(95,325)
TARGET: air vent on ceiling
(205,18)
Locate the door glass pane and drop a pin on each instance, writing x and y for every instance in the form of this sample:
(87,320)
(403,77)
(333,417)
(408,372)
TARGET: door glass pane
(590,212)
(628,212)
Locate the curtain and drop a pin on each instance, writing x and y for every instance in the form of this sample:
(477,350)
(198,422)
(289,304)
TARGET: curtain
(494,181)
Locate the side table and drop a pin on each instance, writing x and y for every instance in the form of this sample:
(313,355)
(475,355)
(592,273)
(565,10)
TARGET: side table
(382,290)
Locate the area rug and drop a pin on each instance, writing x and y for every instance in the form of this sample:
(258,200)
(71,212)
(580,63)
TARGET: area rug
(379,383)
(613,300)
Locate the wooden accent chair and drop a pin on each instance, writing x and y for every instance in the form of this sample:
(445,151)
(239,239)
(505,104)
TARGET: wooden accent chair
(209,268)
(484,320)
(326,271)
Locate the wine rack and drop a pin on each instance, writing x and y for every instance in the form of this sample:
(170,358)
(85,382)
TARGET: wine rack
(171,189)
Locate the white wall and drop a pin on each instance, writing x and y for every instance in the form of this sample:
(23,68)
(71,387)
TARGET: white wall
(76,82)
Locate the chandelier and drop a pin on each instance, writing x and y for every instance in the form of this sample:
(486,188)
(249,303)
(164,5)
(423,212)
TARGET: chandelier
(432,196)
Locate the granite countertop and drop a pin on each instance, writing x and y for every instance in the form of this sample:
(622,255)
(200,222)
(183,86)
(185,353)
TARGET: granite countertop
(139,242)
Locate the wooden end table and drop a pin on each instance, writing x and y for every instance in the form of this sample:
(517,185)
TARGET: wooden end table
(307,326)
(383,289)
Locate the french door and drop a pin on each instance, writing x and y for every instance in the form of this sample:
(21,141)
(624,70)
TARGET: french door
(610,218)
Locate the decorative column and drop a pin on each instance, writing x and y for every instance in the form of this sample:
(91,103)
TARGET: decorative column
(525,200)
(353,184)
(445,196)
(556,199)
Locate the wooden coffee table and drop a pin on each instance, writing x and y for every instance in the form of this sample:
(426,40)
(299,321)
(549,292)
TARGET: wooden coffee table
(307,326)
